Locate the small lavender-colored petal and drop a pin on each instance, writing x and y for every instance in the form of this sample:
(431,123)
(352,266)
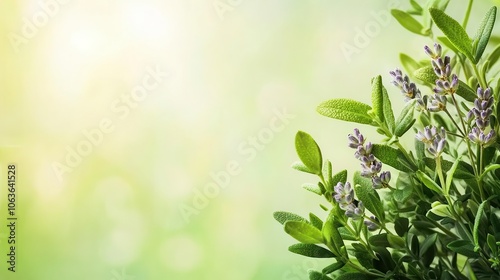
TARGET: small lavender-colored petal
(368,148)
(385,177)
(370,224)
(440,146)
(490,137)
(454,82)
(429,52)
(438,49)
(376,182)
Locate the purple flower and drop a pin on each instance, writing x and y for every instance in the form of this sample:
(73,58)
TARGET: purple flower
(370,166)
(408,89)
(447,83)
(434,138)
(480,114)
(343,195)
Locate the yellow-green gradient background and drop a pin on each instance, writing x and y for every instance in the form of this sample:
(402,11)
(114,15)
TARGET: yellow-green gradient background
(117,214)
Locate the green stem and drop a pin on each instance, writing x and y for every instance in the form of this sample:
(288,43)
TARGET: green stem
(466,139)
(454,122)
(445,230)
(467,14)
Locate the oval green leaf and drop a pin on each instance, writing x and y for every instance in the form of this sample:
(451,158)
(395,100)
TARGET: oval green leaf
(409,22)
(484,32)
(308,152)
(454,31)
(304,232)
(310,250)
(346,110)
(405,120)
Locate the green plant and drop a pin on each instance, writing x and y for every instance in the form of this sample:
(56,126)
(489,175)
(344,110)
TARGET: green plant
(437,218)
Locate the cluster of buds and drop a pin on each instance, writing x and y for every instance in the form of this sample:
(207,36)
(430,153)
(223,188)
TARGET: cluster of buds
(434,139)
(354,209)
(371,167)
(408,88)
(446,83)
(481,113)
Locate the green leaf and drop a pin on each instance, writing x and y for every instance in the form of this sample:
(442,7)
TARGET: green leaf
(405,186)
(428,243)
(379,240)
(405,120)
(454,31)
(426,74)
(346,234)
(301,167)
(484,32)
(282,217)
(377,98)
(314,275)
(310,250)
(381,103)
(409,64)
(395,241)
(450,175)
(466,92)
(312,188)
(428,182)
(409,22)
(333,267)
(490,168)
(492,244)
(346,110)
(332,236)
(463,247)
(327,171)
(494,56)
(416,6)
(365,192)
(363,255)
(339,177)
(303,232)
(390,157)
(353,276)
(401,226)
(388,113)
(316,221)
(308,152)
(447,43)
(477,221)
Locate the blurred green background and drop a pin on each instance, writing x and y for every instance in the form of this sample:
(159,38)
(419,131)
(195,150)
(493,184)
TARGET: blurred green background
(154,138)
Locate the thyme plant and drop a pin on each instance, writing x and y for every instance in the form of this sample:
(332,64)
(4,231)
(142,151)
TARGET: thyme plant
(429,210)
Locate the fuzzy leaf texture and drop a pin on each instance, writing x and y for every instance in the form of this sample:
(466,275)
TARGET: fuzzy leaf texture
(390,156)
(314,275)
(308,152)
(484,32)
(346,110)
(454,32)
(311,250)
(303,232)
(282,217)
(409,22)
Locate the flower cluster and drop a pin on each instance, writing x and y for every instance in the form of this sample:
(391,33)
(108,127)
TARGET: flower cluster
(408,89)
(446,83)
(481,113)
(354,209)
(371,167)
(344,195)
(434,138)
